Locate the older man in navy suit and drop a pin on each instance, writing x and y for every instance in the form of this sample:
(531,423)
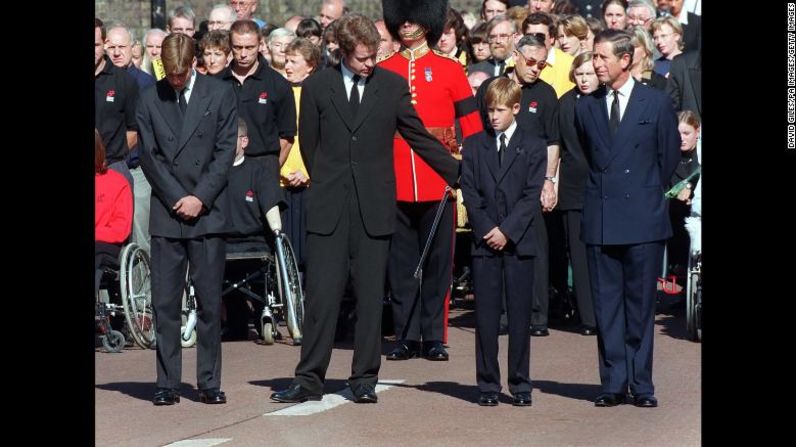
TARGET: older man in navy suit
(630,135)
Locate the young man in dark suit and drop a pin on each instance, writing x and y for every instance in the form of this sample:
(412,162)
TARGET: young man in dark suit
(502,178)
(629,133)
(346,144)
(188,127)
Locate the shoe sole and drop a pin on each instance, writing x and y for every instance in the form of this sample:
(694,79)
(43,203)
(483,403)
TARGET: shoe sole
(366,401)
(413,356)
(160,404)
(212,402)
(288,401)
(488,404)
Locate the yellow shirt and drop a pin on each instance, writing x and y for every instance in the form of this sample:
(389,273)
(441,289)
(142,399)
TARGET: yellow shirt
(556,73)
(294,161)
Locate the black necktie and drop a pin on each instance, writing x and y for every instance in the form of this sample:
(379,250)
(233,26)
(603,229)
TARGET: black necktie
(501,149)
(353,100)
(614,119)
(501,67)
(182,102)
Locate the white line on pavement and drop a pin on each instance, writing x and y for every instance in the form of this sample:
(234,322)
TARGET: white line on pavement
(210,442)
(329,401)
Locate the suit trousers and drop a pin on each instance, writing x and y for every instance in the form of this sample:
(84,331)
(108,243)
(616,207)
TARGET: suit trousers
(331,258)
(170,258)
(624,287)
(580,267)
(541,273)
(490,276)
(142,192)
(419,311)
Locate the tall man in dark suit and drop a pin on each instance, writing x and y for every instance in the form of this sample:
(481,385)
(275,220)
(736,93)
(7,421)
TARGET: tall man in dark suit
(629,132)
(684,84)
(188,127)
(351,207)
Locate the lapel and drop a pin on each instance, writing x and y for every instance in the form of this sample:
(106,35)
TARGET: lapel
(369,99)
(600,113)
(489,147)
(635,105)
(512,150)
(168,107)
(197,105)
(340,99)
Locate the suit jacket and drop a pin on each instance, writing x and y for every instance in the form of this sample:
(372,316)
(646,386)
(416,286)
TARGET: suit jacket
(337,147)
(624,202)
(685,82)
(692,33)
(190,156)
(574,168)
(505,196)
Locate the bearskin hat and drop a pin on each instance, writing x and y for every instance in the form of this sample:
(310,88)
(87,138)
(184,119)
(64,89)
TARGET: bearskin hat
(428,13)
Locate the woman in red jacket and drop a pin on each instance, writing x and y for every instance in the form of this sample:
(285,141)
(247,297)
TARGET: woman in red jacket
(113,211)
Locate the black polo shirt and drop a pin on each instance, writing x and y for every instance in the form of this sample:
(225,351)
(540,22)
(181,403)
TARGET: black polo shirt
(266,104)
(538,109)
(115,100)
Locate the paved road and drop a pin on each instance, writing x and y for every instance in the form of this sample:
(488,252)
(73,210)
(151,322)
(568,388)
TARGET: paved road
(420,402)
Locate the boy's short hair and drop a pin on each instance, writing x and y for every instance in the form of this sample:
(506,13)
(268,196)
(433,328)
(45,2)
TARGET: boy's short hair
(503,92)
(243,129)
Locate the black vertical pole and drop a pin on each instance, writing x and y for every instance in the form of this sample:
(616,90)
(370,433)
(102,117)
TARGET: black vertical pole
(158,14)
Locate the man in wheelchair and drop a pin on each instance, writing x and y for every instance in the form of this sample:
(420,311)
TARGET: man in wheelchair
(255,204)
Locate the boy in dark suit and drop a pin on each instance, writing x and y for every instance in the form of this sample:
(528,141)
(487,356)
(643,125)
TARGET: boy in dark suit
(502,176)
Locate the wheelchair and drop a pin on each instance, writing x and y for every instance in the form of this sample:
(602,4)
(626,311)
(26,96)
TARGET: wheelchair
(131,272)
(693,314)
(274,284)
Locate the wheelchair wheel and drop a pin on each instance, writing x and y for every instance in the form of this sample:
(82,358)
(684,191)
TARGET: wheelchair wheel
(188,315)
(267,331)
(290,287)
(137,295)
(113,341)
(694,304)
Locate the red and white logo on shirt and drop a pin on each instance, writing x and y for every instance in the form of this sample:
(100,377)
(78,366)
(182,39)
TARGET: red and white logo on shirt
(110,95)
(263,98)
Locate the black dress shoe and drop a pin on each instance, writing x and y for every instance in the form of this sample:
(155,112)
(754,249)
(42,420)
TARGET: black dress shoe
(609,400)
(539,331)
(365,394)
(588,330)
(645,401)
(166,396)
(522,399)
(434,350)
(488,399)
(404,351)
(212,396)
(295,394)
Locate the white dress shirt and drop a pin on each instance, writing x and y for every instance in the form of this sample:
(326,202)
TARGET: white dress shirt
(348,80)
(624,97)
(509,132)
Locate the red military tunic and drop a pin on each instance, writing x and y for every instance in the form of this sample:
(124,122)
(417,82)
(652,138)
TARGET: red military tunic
(440,94)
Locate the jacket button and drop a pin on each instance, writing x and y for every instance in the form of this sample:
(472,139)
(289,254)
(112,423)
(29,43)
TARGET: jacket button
(176,164)
(605,170)
(605,197)
(354,138)
(196,163)
(627,171)
(627,196)
(171,138)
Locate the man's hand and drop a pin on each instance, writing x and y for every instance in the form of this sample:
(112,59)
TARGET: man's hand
(297,178)
(495,239)
(188,207)
(549,197)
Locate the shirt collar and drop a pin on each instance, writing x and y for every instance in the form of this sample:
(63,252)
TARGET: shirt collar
(625,89)
(347,73)
(509,133)
(551,56)
(189,85)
